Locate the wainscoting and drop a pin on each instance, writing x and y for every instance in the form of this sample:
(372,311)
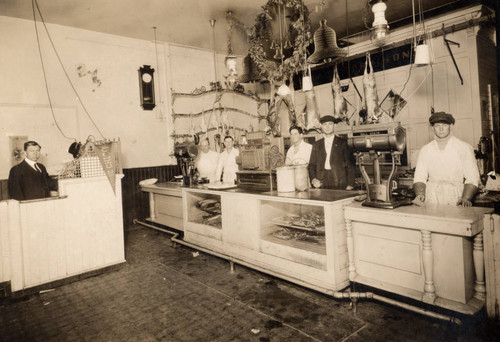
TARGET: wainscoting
(135,202)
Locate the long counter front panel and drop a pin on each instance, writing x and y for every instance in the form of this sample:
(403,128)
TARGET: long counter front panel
(297,236)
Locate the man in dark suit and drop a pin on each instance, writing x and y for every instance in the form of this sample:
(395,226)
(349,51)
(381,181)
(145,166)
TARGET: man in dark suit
(29,179)
(331,165)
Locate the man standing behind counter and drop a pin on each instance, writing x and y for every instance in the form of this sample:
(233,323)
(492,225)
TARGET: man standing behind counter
(29,179)
(446,171)
(206,163)
(300,151)
(227,162)
(331,165)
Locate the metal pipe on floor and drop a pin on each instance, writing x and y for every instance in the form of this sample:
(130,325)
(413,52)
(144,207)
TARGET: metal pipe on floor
(335,294)
(371,295)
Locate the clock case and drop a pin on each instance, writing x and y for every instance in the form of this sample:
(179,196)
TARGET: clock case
(147,90)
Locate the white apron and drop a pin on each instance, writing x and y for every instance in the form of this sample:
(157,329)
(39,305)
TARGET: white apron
(444,171)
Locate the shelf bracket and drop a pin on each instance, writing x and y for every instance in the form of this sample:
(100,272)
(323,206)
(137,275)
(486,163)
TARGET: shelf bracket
(447,42)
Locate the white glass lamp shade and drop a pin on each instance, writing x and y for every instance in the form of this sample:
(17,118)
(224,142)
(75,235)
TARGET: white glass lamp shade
(422,55)
(380,26)
(230,63)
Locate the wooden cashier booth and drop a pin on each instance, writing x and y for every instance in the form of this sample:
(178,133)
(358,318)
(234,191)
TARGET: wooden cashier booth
(44,241)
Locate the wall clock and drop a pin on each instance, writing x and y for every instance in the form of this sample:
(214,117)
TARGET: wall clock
(146,87)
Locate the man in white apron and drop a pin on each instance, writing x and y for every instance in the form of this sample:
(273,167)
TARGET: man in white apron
(206,162)
(226,165)
(446,171)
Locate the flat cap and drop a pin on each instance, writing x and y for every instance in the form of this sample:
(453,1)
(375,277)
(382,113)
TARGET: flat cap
(442,117)
(327,118)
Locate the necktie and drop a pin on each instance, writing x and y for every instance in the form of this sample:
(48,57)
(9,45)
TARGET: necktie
(37,168)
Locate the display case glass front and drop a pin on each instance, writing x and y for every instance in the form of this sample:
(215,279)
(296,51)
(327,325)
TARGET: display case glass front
(294,225)
(205,209)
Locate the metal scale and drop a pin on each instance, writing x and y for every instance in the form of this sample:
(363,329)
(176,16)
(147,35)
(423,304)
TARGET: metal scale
(379,140)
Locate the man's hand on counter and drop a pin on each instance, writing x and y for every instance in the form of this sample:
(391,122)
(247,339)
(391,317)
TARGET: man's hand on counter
(464,203)
(419,200)
(316,183)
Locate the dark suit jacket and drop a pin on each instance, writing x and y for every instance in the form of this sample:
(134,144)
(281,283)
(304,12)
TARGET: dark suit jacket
(341,160)
(26,183)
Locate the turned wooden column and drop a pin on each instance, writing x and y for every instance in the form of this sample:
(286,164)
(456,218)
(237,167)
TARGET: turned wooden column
(428,260)
(478,257)
(350,249)
(152,206)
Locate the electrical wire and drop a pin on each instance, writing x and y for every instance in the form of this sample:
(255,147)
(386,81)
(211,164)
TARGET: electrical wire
(33,3)
(158,73)
(45,76)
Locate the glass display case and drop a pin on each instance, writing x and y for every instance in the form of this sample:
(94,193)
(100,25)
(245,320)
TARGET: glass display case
(204,209)
(294,231)
(298,237)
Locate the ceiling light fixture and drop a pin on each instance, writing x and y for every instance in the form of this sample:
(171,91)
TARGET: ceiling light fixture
(380,27)
(230,60)
(422,54)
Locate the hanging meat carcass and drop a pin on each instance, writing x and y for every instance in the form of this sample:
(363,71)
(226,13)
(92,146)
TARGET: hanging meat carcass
(273,117)
(283,94)
(339,102)
(312,111)
(370,100)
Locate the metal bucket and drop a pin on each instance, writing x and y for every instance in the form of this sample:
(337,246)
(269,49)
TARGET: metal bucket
(301,177)
(285,178)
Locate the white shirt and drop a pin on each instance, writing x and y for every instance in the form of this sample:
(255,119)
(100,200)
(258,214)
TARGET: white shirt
(207,165)
(299,155)
(328,148)
(32,164)
(444,172)
(227,163)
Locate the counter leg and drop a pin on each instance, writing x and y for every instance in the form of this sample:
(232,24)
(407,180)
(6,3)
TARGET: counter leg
(152,206)
(478,257)
(350,249)
(428,261)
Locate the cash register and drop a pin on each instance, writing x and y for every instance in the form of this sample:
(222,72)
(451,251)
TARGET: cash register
(257,162)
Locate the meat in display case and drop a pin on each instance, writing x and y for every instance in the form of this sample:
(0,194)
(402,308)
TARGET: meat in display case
(205,209)
(294,231)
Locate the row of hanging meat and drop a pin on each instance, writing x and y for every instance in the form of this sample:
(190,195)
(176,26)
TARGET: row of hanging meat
(371,112)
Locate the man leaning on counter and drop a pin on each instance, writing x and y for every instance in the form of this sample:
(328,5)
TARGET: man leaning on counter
(29,180)
(446,171)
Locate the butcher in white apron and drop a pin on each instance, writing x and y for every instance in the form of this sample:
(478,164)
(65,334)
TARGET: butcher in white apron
(226,165)
(446,171)
(206,162)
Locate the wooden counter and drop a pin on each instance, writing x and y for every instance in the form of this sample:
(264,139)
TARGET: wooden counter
(433,254)
(50,239)
(253,230)
(165,204)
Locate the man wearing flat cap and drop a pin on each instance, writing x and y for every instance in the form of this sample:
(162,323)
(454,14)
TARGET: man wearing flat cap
(446,171)
(331,165)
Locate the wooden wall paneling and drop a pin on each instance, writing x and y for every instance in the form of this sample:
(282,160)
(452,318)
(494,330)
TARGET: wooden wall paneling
(135,201)
(4,243)
(4,191)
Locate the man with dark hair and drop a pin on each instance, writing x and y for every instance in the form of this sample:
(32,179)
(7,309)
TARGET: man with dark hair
(227,162)
(299,151)
(29,179)
(206,161)
(331,165)
(446,171)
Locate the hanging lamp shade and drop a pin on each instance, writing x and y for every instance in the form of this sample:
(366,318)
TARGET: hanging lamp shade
(250,71)
(325,45)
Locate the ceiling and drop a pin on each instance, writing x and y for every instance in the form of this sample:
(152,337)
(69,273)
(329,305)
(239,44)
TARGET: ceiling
(186,22)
